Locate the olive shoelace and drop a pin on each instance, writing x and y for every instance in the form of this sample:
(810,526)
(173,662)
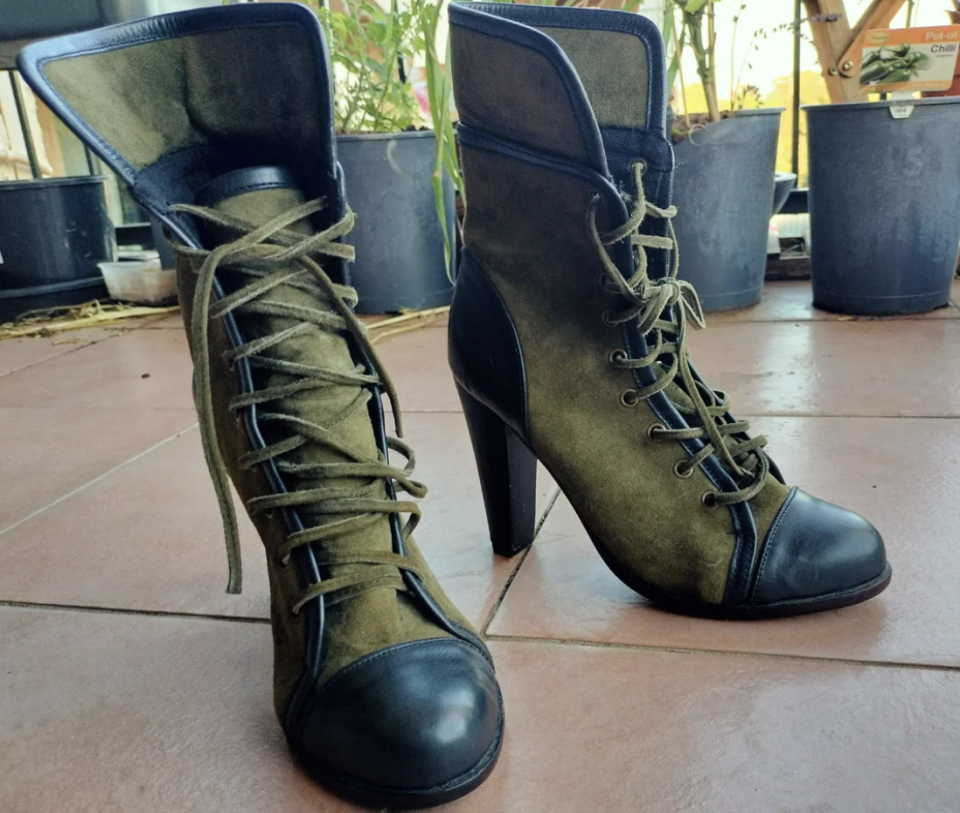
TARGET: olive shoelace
(662,309)
(267,257)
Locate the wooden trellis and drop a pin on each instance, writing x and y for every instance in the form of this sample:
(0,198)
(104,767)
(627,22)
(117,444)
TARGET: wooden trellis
(838,42)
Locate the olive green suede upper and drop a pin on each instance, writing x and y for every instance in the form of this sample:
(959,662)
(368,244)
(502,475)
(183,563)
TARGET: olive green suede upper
(527,226)
(159,97)
(359,624)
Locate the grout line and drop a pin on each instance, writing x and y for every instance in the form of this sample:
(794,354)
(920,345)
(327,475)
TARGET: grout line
(503,592)
(96,479)
(821,416)
(751,415)
(76,349)
(78,608)
(521,559)
(716,322)
(546,511)
(674,650)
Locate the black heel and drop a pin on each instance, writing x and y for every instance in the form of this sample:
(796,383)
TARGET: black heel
(508,477)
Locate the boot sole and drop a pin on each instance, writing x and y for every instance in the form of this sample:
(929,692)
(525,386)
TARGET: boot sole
(747,612)
(374,796)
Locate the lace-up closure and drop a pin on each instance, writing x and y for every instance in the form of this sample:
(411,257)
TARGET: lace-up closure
(267,257)
(662,309)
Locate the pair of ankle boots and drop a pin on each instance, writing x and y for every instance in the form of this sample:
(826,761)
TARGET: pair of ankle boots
(567,342)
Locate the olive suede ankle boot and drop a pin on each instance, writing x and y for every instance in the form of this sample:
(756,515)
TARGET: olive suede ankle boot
(568,332)
(221,121)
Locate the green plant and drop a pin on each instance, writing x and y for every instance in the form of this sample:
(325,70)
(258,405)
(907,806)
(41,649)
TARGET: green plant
(370,47)
(440,95)
(696,29)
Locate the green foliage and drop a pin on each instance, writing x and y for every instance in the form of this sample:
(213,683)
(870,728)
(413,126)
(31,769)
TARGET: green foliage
(440,94)
(368,48)
(697,30)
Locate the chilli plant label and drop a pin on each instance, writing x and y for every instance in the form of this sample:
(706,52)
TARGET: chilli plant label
(905,59)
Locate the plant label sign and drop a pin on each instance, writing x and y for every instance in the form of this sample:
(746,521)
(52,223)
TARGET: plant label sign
(906,59)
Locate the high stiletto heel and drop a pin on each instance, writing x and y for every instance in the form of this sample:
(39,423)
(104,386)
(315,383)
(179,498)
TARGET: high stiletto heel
(508,477)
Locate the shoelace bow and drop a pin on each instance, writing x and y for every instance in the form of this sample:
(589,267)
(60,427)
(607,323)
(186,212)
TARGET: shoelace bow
(269,256)
(649,301)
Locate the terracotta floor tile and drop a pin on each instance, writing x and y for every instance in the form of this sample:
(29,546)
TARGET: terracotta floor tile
(105,712)
(901,474)
(621,731)
(417,363)
(172,321)
(890,368)
(453,534)
(788,301)
(49,452)
(142,369)
(148,536)
(17,354)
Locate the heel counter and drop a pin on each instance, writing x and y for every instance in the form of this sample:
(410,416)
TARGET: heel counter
(484,348)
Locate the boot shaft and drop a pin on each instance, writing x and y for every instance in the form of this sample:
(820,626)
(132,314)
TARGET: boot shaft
(172,102)
(586,86)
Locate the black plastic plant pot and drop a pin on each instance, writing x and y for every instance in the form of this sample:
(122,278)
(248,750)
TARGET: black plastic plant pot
(400,261)
(723,191)
(884,204)
(53,232)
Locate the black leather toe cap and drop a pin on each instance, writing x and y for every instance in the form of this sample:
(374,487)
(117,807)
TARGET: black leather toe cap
(414,717)
(816,549)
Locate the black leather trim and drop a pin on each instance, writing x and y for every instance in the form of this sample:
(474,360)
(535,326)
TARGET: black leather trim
(484,348)
(416,717)
(241,181)
(815,548)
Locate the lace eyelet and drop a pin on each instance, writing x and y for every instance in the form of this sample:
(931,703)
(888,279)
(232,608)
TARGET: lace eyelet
(682,470)
(652,430)
(616,356)
(639,163)
(709,500)
(284,559)
(608,319)
(628,398)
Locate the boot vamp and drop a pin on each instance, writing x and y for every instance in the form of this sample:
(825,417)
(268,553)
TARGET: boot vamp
(378,617)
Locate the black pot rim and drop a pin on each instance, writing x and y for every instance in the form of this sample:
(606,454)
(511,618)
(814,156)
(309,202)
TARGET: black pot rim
(385,136)
(43,183)
(51,288)
(847,106)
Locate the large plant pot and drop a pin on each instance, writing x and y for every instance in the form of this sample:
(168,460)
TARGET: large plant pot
(53,232)
(884,205)
(723,191)
(400,250)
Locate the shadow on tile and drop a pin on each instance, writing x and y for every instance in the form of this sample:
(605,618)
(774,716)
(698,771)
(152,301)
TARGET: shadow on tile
(121,712)
(600,729)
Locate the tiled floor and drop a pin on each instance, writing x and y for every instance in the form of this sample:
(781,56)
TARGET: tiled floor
(130,682)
